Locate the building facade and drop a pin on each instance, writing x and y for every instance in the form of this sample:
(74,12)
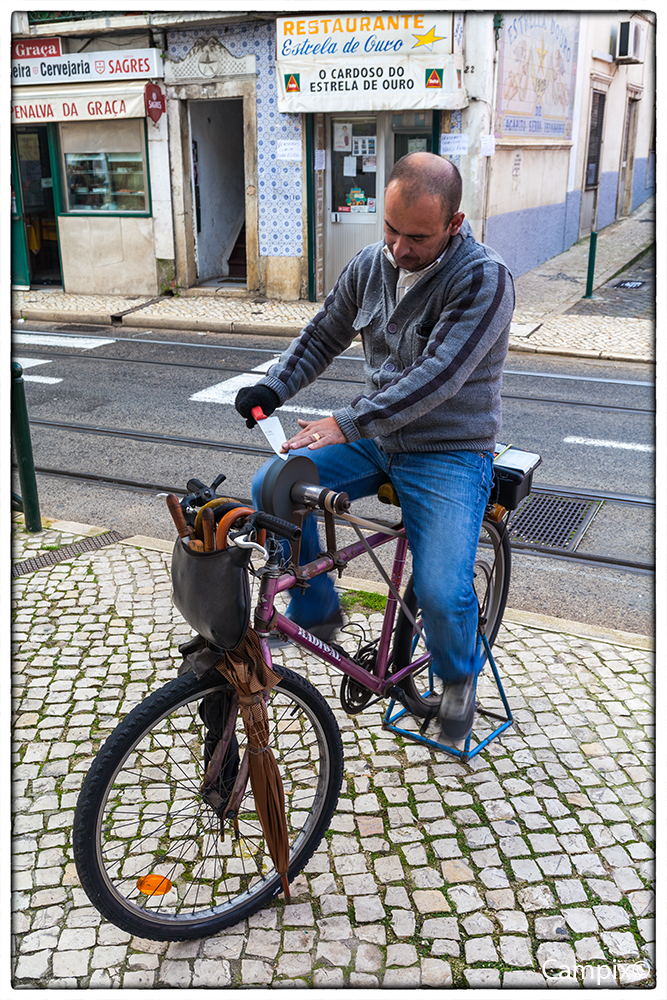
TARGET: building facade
(265,174)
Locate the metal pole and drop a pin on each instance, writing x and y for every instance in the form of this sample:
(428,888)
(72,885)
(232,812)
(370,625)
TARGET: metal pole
(23,446)
(591,265)
(310,205)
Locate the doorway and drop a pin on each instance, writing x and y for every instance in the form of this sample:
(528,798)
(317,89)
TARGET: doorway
(218,191)
(354,188)
(589,198)
(39,227)
(624,203)
(361,150)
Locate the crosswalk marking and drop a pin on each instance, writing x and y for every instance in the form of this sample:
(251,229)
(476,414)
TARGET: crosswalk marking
(56,340)
(32,363)
(225,392)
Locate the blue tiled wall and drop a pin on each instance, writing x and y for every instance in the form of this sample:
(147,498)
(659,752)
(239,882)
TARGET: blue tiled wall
(279,181)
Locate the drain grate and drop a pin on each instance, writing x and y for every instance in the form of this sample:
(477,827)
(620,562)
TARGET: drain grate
(81,328)
(54,556)
(552,521)
(629,284)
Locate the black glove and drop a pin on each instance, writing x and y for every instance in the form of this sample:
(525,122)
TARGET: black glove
(256,395)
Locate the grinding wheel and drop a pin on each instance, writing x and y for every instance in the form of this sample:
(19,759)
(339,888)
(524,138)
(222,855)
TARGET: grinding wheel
(279,480)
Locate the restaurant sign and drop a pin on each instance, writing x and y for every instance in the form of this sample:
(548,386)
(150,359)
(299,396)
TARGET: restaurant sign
(380,61)
(80,67)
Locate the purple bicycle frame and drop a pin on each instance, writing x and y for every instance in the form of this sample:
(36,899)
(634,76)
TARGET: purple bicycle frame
(270,586)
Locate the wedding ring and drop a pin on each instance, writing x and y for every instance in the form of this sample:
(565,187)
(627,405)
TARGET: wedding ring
(316,436)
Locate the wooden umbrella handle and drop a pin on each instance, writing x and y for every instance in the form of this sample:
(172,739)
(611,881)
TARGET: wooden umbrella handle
(225,523)
(208,530)
(177,516)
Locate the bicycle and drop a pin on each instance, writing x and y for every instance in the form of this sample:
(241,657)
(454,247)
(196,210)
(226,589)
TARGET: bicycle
(150,836)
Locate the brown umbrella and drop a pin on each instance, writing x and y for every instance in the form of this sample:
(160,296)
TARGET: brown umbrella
(247,671)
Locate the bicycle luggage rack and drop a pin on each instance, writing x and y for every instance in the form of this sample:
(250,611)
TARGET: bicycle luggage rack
(466,754)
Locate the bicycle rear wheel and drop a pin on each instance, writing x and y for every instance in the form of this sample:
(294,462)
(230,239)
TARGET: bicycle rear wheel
(423,689)
(141,822)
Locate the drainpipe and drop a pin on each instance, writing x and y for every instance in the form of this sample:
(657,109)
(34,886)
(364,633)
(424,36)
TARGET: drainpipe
(497,28)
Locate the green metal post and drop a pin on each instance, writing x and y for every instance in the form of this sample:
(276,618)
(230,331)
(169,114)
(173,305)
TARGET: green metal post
(23,446)
(310,205)
(435,132)
(591,266)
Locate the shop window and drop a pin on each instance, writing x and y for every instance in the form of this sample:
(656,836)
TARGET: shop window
(104,166)
(354,165)
(412,133)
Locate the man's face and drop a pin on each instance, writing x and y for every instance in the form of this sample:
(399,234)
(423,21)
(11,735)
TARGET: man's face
(416,232)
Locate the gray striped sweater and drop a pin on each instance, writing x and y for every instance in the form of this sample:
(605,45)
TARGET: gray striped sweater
(433,362)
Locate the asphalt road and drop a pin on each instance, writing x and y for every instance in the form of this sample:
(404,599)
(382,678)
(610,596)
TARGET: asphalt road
(590,421)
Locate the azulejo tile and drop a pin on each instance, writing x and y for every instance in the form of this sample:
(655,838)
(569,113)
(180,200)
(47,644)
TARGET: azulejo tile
(278,181)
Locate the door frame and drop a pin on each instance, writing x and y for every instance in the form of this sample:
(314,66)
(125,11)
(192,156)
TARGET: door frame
(180,141)
(383,155)
(628,146)
(19,248)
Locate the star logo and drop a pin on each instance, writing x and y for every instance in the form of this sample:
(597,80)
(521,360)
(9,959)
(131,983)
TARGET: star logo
(429,39)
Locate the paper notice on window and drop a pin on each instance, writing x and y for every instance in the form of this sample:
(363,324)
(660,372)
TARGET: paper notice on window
(487,145)
(370,164)
(320,159)
(453,144)
(289,149)
(349,166)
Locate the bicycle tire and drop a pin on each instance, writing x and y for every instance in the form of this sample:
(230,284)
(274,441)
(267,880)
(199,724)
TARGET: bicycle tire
(140,812)
(423,690)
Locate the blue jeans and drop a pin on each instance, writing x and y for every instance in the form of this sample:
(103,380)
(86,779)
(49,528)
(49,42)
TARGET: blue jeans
(443,497)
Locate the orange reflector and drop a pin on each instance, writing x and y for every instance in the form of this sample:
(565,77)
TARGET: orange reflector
(153,885)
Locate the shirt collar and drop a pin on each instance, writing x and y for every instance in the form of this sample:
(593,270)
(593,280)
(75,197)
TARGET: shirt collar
(390,257)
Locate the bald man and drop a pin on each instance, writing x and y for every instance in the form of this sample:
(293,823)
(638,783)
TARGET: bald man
(433,307)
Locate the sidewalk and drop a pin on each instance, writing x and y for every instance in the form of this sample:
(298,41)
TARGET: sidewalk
(437,874)
(543,296)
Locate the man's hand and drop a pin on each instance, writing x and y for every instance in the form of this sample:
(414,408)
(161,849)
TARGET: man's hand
(315,434)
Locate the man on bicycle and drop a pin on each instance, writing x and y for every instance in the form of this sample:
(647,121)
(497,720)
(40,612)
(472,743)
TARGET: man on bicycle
(433,307)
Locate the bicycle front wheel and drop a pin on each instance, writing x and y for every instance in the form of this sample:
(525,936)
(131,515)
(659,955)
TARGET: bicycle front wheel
(423,689)
(148,847)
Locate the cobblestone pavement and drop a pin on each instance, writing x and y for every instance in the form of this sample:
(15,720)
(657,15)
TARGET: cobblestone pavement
(542,296)
(536,855)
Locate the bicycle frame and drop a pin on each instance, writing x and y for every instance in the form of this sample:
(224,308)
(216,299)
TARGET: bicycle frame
(378,682)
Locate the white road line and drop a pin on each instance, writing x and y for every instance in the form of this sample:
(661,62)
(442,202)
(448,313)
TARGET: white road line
(32,362)
(55,340)
(225,392)
(41,378)
(597,443)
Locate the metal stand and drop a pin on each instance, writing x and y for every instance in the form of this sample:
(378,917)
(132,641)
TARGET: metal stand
(467,753)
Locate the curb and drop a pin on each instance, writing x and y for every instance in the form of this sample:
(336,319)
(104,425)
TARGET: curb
(529,619)
(286,331)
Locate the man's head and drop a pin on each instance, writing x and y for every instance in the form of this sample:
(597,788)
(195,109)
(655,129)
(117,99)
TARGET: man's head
(421,202)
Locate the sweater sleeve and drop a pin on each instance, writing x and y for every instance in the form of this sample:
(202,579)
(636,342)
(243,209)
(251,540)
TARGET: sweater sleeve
(478,311)
(330,332)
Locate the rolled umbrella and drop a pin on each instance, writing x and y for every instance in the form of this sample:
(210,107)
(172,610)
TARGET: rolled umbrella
(247,671)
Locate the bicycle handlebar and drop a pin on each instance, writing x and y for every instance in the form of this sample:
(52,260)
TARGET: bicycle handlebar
(276,524)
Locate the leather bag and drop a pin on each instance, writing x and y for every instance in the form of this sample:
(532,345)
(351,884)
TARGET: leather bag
(212,592)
